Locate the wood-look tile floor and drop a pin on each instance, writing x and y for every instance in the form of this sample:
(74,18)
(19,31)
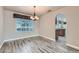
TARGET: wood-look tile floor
(34,45)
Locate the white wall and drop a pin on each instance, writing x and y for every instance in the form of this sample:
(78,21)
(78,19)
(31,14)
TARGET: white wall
(1,26)
(47,26)
(10,27)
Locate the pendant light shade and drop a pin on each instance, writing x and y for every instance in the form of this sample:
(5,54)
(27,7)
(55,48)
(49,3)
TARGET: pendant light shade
(34,17)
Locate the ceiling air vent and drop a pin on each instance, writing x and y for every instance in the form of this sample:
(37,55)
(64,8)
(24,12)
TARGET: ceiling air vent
(49,10)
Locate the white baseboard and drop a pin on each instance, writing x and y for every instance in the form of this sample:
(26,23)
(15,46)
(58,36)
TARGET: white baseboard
(75,47)
(48,38)
(20,38)
(26,37)
(1,43)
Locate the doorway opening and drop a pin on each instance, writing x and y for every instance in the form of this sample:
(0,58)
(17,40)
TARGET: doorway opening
(60,29)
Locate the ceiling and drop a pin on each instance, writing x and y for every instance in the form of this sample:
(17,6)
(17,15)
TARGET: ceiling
(40,10)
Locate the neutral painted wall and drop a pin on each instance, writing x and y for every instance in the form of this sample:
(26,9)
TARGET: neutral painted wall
(47,24)
(1,26)
(10,27)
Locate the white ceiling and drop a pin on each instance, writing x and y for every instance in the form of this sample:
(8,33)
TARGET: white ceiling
(40,10)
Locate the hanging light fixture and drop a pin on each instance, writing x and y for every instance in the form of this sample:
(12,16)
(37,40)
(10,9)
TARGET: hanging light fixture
(34,17)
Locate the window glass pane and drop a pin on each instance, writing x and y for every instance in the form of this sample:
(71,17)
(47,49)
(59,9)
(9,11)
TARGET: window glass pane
(24,25)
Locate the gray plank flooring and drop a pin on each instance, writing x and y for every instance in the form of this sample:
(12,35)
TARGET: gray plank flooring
(34,45)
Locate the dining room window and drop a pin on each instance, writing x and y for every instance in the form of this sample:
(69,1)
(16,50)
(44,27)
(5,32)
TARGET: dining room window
(23,25)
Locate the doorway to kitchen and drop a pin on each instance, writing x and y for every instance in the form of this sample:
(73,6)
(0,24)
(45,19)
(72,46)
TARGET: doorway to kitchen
(60,29)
